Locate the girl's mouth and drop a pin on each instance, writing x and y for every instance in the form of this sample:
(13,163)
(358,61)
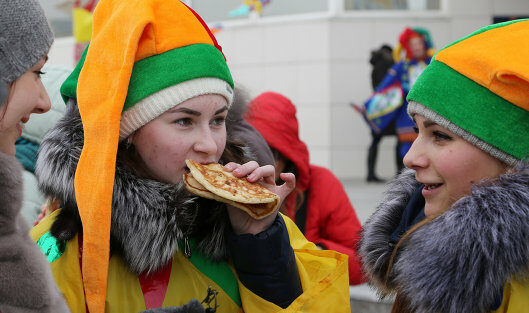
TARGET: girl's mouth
(20,127)
(432,187)
(430,190)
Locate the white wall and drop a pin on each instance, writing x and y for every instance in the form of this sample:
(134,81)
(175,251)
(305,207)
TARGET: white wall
(291,58)
(510,7)
(61,52)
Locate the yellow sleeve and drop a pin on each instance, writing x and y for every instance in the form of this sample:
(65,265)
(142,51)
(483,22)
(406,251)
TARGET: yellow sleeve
(515,299)
(324,278)
(44,226)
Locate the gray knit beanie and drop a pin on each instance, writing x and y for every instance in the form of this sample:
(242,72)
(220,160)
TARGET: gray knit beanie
(25,37)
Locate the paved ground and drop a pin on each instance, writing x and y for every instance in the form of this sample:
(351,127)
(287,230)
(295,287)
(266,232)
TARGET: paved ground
(364,196)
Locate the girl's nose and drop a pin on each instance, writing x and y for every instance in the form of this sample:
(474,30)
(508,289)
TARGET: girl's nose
(205,143)
(43,104)
(416,158)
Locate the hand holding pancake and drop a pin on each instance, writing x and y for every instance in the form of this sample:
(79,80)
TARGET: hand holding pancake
(250,191)
(243,223)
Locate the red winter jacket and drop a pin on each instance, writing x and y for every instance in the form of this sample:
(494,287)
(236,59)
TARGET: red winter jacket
(330,220)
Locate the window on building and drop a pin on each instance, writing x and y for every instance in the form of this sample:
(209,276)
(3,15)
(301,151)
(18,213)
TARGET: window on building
(409,5)
(220,10)
(59,12)
(284,7)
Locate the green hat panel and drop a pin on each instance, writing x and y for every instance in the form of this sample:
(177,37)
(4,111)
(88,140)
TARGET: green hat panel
(473,108)
(171,68)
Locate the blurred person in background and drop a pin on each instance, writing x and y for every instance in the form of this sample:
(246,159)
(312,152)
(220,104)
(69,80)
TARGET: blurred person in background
(381,61)
(319,205)
(387,107)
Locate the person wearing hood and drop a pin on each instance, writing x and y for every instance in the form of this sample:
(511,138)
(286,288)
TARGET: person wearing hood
(319,205)
(26,282)
(452,232)
(152,90)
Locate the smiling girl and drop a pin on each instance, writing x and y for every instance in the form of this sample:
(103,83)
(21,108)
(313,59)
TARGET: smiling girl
(26,96)
(26,284)
(152,90)
(452,232)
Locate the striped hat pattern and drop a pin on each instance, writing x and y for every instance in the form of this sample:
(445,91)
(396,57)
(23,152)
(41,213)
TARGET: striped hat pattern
(478,88)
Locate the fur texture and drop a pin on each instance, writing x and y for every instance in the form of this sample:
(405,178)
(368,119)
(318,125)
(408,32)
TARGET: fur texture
(148,217)
(26,283)
(460,261)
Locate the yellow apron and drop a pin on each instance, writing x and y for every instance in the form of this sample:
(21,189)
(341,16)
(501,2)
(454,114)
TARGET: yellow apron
(323,274)
(515,298)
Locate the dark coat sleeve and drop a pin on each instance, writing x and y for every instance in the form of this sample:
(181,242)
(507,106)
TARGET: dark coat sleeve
(266,265)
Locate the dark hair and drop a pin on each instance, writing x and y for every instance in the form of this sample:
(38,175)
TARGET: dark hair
(5,98)
(131,159)
(4,92)
(290,167)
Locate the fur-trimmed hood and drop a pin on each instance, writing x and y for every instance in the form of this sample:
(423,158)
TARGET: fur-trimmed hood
(459,261)
(149,218)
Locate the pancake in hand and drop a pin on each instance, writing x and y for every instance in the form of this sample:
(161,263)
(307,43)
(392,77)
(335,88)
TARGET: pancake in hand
(211,181)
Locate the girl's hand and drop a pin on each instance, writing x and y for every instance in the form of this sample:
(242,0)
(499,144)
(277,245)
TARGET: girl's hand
(46,209)
(241,222)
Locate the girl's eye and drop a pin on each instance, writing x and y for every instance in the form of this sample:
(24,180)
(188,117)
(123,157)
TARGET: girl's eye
(219,121)
(440,136)
(416,129)
(183,121)
(39,73)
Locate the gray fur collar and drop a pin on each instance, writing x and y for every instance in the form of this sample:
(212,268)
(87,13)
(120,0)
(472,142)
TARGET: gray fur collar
(23,268)
(460,261)
(11,193)
(149,218)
